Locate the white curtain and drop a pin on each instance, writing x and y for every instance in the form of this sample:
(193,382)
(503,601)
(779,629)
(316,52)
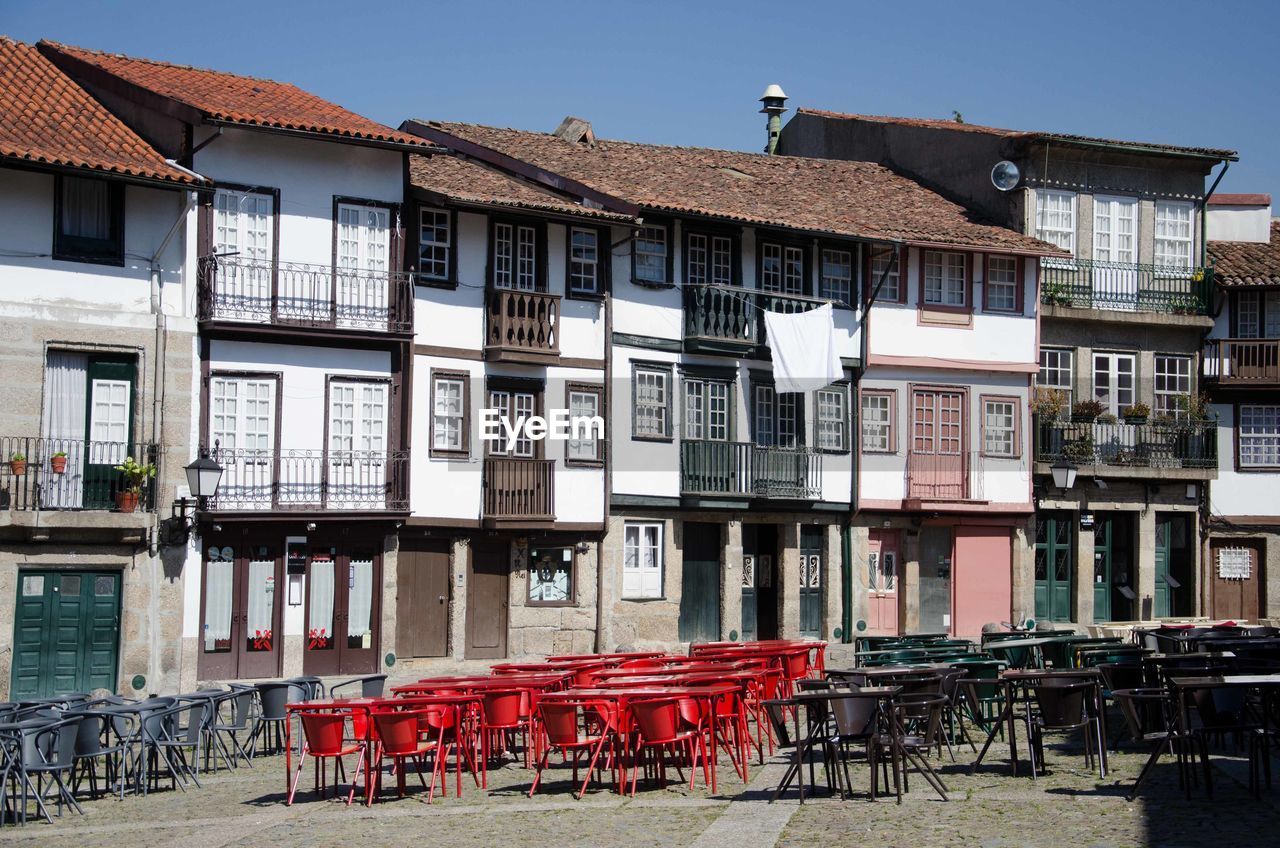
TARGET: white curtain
(217,603)
(359,602)
(86,208)
(66,384)
(321,601)
(261,598)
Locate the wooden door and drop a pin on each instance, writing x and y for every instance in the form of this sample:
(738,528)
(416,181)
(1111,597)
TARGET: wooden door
(882,583)
(422,598)
(812,576)
(1236,582)
(938,441)
(700,584)
(241,612)
(342,612)
(66,633)
(1054,566)
(487,599)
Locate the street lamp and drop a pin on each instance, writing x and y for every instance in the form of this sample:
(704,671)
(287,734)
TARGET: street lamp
(1064,474)
(203,477)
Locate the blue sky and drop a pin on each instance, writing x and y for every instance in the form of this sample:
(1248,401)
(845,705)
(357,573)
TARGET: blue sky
(1180,72)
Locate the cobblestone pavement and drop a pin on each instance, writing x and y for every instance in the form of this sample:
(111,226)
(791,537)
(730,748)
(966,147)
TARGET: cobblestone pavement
(1070,806)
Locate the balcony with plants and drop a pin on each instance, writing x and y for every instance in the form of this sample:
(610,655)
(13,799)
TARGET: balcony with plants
(1133,444)
(1125,287)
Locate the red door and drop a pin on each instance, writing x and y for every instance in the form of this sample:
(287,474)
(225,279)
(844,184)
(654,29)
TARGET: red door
(982,580)
(882,583)
(937,462)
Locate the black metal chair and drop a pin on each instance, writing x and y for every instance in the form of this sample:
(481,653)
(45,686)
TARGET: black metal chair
(857,721)
(1148,717)
(371,685)
(1062,704)
(915,731)
(273,697)
(52,755)
(243,702)
(93,743)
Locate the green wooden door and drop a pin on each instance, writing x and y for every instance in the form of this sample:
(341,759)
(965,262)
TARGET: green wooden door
(66,632)
(700,584)
(1054,566)
(1103,531)
(811,576)
(109,396)
(1164,592)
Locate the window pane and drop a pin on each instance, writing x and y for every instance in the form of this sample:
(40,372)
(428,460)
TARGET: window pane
(881,259)
(837,276)
(1002,283)
(650,248)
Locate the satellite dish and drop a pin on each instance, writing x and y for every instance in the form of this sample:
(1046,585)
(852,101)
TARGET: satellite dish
(1005,175)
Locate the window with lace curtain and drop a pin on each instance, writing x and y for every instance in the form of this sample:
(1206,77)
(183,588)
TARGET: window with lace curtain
(88,220)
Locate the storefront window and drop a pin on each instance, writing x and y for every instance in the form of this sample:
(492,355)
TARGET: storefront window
(550,575)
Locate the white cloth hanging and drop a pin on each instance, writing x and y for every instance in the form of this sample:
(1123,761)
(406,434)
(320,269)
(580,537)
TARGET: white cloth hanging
(66,385)
(803,346)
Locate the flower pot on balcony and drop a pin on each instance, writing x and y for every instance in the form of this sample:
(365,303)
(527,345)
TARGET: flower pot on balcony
(18,467)
(1082,418)
(126,501)
(1135,419)
(58,464)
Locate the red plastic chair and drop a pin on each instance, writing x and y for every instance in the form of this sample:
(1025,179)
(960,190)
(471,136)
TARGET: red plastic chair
(657,722)
(730,713)
(502,718)
(323,739)
(561,722)
(647,662)
(399,738)
(442,725)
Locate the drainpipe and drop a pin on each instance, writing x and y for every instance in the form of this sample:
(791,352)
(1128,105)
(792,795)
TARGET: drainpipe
(846,584)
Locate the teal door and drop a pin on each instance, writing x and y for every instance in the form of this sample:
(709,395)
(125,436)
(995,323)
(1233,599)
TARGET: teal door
(700,584)
(811,576)
(1054,566)
(1113,567)
(1175,565)
(66,633)
(1163,593)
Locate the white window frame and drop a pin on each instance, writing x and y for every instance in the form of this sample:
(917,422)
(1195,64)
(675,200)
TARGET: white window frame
(1112,252)
(658,408)
(517,406)
(1259,436)
(942,286)
(584,262)
(778,416)
(831,419)
(1174,251)
(710,260)
(1058,231)
(515,256)
(782,268)
(707,410)
(651,249)
(244,225)
(881,256)
(357,420)
(1113,396)
(583,446)
(1263,310)
(1000,427)
(439,249)
(642,576)
(836,286)
(364,237)
(877,419)
(1002,295)
(1165,397)
(454,423)
(235,432)
(1061,354)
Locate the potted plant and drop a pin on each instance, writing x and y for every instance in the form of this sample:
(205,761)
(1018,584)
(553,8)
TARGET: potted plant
(1136,413)
(136,478)
(58,462)
(1079,451)
(1049,403)
(1107,418)
(1086,410)
(17,464)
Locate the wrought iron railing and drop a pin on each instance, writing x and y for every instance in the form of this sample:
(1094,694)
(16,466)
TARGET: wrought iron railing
(519,488)
(746,470)
(945,476)
(289,480)
(733,315)
(1252,362)
(523,321)
(1180,443)
(1125,286)
(231,288)
(69,474)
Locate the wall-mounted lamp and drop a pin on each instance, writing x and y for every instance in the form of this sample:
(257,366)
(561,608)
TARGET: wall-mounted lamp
(203,477)
(1064,474)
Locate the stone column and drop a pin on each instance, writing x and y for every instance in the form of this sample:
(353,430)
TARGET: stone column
(731,582)
(1146,587)
(458,563)
(789,577)
(610,571)
(832,583)
(860,543)
(909,590)
(1022,564)
(1084,583)
(390,591)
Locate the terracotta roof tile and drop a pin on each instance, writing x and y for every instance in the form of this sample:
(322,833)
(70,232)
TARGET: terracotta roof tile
(238,99)
(1243,263)
(955,126)
(1240,200)
(853,199)
(471,182)
(46,118)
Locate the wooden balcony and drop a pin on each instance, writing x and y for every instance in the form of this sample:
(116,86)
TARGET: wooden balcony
(744,470)
(1242,362)
(522,326)
(1154,449)
(1125,286)
(311,481)
(293,295)
(519,492)
(730,319)
(943,478)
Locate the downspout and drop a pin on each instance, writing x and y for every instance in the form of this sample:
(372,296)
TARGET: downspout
(608,463)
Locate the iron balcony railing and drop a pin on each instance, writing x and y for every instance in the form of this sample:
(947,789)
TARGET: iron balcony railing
(309,480)
(733,317)
(1182,443)
(295,294)
(519,489)
(523,322)
(746,470)
(1125,286)
(1244,362)
(944,476)
(69,474)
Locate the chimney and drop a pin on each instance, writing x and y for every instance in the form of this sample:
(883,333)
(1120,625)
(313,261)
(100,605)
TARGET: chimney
(576,131)
(775,103)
